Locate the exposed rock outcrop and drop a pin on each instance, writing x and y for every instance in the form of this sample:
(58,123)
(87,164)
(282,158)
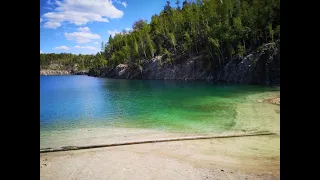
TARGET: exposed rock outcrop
(83,72)
(273,100)
(260,67)
(47,72)
(190,69)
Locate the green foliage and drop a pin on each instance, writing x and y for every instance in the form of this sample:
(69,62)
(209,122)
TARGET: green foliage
(172,39)
(277,31)
(69,61)
(240,50)
(150,47)
(167,56)
(215,29)
(270,32)
(187,42)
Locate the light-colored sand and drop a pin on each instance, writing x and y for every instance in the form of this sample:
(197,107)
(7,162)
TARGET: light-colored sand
(255,157)
(250,117)
(239,158)
(94,136)
(258,117)
(273,98)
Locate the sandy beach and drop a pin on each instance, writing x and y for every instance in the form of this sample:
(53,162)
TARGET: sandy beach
(253,157)
(233,158)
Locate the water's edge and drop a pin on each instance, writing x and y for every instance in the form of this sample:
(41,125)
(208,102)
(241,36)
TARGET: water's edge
(69,148)
(86,111)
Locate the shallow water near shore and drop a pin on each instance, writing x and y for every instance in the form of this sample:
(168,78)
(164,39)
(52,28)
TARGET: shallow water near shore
(82,110)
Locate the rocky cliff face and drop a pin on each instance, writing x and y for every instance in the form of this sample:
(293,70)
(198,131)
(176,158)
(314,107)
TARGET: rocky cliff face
(156,69)
(83,72)
(49,72)
(59,69)
(190,69)
(261,67)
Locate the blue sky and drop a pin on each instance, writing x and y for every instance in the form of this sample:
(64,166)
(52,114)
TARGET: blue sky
(79,26)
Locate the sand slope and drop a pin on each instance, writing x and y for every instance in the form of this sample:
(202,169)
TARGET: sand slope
(239,158)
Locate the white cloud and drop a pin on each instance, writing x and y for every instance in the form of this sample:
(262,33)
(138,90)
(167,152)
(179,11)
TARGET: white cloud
(41,52)
(52,25)
(128,29)
(49,2)
(84,35)
(81,12)
(114,32)
(62,48)
(124,4)
(86,47)
(96,42)
(41,19)
(49,8)
(84,29)
(119,2)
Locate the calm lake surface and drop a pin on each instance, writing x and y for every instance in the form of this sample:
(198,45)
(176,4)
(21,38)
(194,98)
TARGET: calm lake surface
(88,110)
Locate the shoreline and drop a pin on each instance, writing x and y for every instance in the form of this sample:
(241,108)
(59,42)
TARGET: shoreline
(270,100)
(274,100)
(256,157)
(250,69)
(178,80)
(69,148)
(251,117)
(241,158)
(50,72)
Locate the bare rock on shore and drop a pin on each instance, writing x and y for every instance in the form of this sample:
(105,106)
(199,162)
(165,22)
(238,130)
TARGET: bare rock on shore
(46,72)
(273,100)
(257,67)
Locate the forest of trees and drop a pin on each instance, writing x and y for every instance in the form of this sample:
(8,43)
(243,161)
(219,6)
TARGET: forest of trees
(68,61)
(215,29)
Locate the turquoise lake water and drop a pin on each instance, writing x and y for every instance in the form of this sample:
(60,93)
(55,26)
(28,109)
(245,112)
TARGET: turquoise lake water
(75,102)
